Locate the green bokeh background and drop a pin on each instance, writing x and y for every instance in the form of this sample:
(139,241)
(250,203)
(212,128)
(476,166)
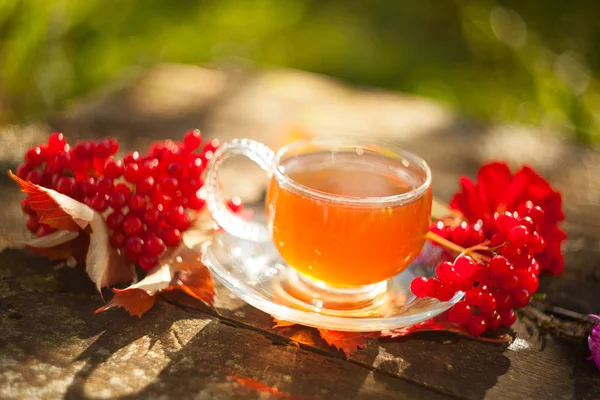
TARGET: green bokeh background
(530,62)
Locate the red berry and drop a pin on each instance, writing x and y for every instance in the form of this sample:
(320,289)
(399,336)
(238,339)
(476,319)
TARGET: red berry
(497,240)
(147,262)
(34,176)
(114,145)
(33,223)
(519,235)
(132,173)
(103,149)
(505,222)
(22,171)
(149,168)
(171,237)
(503,300)
(536,243)
(123,189)
(445,272)
(493,321)
(26,207)
(133,248)
(211,147)
(132,225)
(99,202)
(192,139)
(487,303)
(87,187)
(189,186)
(460,234)
(196,202)
(36,156)
(473,296)
(520,298)
(114,220)
(153,246)
(63,160)
(528,280)
(105,186)
(50,169)
(117,201)
(460,313)
(145,186)
(476,325)
(509,282)
(131,158)
(446,291)
(66,185)
(152,217)
(500,266)
(507,317)
(177,218)
(534,267)
(511,252)
(83,150)
(113,169)
(57,143)
(235,204)
(169,185)
(419,287)
(465,269)
(536,214)
(137,204)
(118,240)
(195,167)
(528,223)
(175,170)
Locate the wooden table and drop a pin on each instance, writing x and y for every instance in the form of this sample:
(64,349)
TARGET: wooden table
(52,345)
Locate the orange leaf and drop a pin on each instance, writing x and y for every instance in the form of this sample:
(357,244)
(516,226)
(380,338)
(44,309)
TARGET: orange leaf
(348,342)
(104,264)
(135,301)
(280,323)
(179,269)
(441,324)
(55,209)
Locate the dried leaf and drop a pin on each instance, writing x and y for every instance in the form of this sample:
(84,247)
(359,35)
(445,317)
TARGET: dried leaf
(348,342)
(280,323)
(56,209)
(104,265)
(53,239)
(441,324)
(180,269)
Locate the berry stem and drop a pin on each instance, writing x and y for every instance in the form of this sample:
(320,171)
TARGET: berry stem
(459,249)
(471,251)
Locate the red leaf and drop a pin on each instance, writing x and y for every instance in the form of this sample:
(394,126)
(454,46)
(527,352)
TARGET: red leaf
(103,264)
(180,269)
(55,209)
(348,342)
(441,324)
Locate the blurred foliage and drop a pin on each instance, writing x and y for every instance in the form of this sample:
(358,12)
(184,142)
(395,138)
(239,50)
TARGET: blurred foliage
(530,62)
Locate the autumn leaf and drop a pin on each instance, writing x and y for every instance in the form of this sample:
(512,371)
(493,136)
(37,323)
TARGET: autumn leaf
(180,269)
(348,342)
(280,323)
(104,264)
(441,324)
(55,209)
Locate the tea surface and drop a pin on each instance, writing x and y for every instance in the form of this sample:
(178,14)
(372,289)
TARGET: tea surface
(348,245)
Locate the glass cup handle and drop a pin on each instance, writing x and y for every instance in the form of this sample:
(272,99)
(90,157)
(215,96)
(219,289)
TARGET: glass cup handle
(228,220)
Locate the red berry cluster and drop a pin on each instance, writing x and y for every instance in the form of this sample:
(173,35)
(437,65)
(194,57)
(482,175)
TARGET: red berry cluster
(502,279)
(146,199)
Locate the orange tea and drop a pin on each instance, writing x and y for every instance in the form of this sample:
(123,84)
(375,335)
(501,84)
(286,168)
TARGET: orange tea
(341,242)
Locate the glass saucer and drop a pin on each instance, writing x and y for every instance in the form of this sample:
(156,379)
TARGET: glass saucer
(256,273)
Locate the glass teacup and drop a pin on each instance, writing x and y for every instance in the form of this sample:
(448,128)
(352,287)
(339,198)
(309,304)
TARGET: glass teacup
(346,214)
